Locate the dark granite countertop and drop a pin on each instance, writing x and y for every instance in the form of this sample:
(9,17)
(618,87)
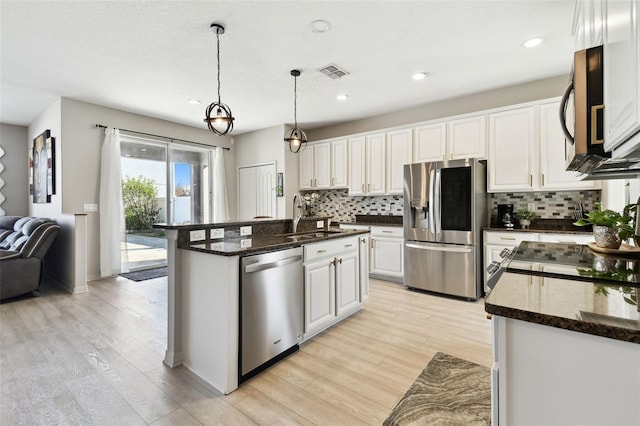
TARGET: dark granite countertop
(560,226)
(375,220)
(570,286)
(260,243)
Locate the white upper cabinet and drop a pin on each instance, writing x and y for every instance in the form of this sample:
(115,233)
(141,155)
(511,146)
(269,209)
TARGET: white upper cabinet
(357,166)
(376,164)
(526,151)
(306,168)
(399,146)
(621,72)
(588,23)
(430,143)
(466,138)
(315,166)
(512,150)
(553,175)
(339,164)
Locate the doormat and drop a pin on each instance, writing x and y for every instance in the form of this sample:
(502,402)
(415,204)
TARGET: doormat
(146,274)
(449,391)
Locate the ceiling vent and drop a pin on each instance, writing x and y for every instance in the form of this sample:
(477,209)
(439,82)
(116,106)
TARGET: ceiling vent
(333,71)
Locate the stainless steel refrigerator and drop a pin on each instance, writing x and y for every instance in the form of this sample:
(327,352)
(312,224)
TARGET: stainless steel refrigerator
(445,209)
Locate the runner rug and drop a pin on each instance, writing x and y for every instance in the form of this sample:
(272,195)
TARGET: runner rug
(449,391)
(146,274)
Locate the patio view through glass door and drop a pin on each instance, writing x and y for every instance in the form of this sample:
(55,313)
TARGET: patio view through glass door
(162,183)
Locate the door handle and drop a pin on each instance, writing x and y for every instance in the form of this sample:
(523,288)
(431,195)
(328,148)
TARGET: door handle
(563,113)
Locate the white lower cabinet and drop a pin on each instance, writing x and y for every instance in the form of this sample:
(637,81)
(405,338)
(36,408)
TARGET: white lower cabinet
(331,283)
(387,252)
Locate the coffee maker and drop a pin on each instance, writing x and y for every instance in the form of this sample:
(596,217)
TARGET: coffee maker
(505,215)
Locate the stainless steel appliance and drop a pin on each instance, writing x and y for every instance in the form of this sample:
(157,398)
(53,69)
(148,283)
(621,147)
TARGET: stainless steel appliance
(445,209)
(583,105)
(271,309)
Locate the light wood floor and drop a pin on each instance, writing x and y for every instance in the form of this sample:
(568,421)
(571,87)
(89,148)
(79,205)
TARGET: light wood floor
(96,358)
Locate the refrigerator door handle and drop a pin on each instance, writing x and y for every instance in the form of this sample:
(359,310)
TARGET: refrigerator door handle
(432,204)
(440,247)
(436,204)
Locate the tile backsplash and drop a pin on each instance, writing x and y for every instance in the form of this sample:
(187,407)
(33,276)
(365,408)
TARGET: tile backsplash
(549,205)
(343,208)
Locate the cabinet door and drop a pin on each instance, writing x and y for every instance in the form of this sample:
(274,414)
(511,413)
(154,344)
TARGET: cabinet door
(364,267)
(387,256)
(319,294)
(512,150)
(357,169)
(306,168)
(322,166)
(466,138)
(621,72)
(376,164)
(347,283)
(429,143)
(398,154)
(339,164)
(553,175)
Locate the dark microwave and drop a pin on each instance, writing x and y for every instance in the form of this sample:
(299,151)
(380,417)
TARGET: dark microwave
(582,107)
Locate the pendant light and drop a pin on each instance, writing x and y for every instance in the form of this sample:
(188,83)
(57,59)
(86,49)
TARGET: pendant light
(296,138)
(218,115)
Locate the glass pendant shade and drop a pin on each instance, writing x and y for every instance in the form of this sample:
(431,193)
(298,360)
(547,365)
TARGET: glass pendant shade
(219,118)
(296,138)
(218,115)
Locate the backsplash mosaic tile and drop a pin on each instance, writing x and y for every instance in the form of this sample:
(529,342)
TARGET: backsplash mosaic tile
(549,205)
(343,208)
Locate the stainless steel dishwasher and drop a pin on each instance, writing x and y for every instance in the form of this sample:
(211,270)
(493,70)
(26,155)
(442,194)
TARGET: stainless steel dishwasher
(271,309)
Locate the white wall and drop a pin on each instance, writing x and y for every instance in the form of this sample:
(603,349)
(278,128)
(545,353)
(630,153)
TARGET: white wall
(13,140)
(530,91)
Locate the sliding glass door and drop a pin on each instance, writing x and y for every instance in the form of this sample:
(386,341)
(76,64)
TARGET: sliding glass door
(162,183)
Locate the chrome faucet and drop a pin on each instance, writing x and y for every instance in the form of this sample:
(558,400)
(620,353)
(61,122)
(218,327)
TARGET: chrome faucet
(297,212)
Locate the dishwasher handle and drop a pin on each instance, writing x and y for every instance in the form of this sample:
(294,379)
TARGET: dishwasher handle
(256,267)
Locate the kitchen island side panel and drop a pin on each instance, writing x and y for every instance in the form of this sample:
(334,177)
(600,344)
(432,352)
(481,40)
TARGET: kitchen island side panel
(210,312)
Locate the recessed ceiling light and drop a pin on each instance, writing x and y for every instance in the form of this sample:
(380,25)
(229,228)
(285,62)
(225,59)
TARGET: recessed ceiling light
(532,42)
(194,101)
(320,26)
(419,76)
(342,97)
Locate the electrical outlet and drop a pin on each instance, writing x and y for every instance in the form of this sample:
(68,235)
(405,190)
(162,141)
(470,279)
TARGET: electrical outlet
(245,230)
(320,224)
(216,233)
(90,208)
(198,235)
(245,243)
(217,246)
(531,206)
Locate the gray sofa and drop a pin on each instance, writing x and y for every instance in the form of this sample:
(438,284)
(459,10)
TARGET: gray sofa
(23,243)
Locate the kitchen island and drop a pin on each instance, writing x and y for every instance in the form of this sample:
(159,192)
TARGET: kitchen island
(204,288)
(566,337)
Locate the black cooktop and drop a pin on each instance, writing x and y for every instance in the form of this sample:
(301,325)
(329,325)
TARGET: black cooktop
(574,261)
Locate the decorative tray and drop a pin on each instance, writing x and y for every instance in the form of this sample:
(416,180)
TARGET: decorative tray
(624,250)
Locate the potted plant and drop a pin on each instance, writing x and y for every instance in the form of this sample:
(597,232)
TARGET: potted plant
(610,228)
(525,216)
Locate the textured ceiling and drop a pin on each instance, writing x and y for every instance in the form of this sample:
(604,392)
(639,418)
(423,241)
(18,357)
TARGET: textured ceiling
(149,57)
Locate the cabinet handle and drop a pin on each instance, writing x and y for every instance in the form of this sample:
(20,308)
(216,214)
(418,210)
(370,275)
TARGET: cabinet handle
(348,245)
(508,238)
(363,188)
(388,232)
(489,316)
(368,187)
(311,183)
(321,251)
(372,243)
(530,180)
(542,179)
(333,180)
(340,260)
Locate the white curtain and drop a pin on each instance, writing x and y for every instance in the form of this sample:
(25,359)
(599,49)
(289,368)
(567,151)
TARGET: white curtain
(220,200)
(112,227)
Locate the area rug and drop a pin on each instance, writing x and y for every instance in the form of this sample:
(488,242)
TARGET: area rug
(146,274)
(449,391)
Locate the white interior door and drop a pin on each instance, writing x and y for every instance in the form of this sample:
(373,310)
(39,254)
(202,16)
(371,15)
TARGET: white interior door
(257,194)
